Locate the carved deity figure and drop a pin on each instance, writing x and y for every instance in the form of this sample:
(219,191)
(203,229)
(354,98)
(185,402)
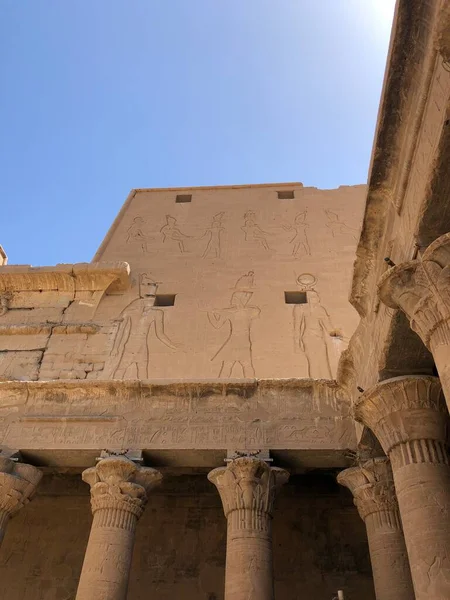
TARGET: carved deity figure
(312,328)
(213,247)
(253,232)
(135,233)
(136,320)
(170,231)
(300,240)
(337,226)
(237,348)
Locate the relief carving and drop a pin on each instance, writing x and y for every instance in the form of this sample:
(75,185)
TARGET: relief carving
(253,232)
(339,227)
(313,329)
(300,244)
(213,246)
(237,348)
(170,231)
(136,320)
(135,234)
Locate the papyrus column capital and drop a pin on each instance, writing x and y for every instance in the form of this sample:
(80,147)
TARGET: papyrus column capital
(118,496)
(247,488)
(372,486)
(404,409)
(18,482)
(421,289)
(118,483)
(248,484)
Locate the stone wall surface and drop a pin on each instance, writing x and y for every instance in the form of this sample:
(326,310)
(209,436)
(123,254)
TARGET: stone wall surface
(319,543)
(237,283)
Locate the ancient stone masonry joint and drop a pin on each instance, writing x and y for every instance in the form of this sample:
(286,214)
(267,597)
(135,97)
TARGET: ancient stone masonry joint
(118,497)
(409,417)
(372,486)
(247,487)
(18,482)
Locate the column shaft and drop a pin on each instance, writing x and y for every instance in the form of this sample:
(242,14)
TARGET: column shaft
(247,487)
(372,486)
(118,497)
(409,417)
(390,566)
(249,565)
(423,490)
(107,561)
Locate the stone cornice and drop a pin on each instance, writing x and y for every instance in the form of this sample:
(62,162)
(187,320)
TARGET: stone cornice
(403,409)
(96,276)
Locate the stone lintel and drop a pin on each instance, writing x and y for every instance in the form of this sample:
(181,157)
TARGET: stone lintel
(54,420)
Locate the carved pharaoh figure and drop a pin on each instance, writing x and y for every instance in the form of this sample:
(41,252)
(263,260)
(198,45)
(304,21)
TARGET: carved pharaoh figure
(213,246)
(237,348)
(170,231)
(135,233)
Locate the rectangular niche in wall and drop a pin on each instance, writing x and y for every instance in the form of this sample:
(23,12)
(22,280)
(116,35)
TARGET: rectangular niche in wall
(164,299)
(295,297)
(183,198)
(286,195)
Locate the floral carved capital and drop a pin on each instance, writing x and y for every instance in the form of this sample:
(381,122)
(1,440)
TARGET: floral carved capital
(118,483)
(372,486)
(403,409)
(248,484)
(421,289)
(18,482)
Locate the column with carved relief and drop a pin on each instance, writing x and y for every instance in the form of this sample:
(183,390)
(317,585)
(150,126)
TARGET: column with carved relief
(118,497)
(421,289)
(18,482)
(409,417)
(247,488)
(372,486)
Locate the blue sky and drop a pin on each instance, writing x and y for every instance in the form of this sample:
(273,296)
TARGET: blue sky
(102,96)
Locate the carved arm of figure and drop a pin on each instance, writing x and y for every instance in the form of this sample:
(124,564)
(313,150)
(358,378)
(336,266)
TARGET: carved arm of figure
(217,318)
(120,335)
(159,329)
(299,328)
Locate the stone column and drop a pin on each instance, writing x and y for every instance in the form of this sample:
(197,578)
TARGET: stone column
(409,417)
(247,488)
(18,482)
(421,289)
(372,486)
(118,496)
